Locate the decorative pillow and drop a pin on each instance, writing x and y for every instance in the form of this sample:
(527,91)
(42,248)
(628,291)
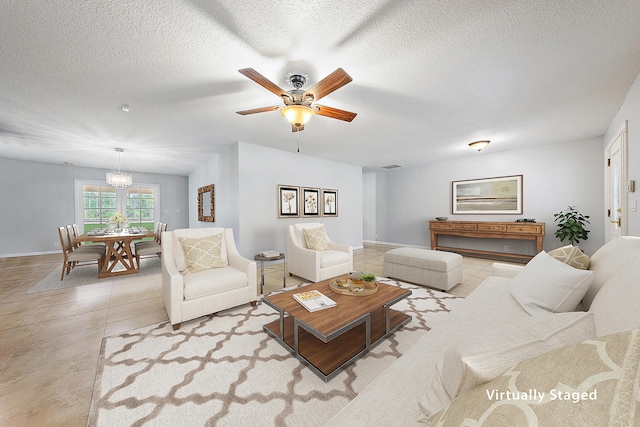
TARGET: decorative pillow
(202,254)
(593,383)
(316,238)
(483,357)
(546,285)
(178,252)
(571,255)
(607,260)
(615,307)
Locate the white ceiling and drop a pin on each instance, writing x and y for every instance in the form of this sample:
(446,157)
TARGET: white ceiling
(428,77)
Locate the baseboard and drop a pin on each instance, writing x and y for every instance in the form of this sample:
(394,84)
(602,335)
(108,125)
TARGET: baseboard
(30,254)
(399,245)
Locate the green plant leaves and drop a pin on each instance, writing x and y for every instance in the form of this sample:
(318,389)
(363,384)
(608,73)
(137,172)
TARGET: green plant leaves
(571,225)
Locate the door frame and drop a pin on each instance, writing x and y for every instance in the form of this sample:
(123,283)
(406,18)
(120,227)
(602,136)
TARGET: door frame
(624,215)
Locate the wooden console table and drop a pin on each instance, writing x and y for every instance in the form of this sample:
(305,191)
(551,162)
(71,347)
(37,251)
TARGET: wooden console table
(488,230)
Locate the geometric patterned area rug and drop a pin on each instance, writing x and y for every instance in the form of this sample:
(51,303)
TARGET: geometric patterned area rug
(88,275)
(224,370)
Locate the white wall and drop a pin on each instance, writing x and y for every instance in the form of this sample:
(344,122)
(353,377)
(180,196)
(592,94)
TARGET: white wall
(37,198)
(554,177)
(630,110)
(246,180)
(262,169)
(221,170)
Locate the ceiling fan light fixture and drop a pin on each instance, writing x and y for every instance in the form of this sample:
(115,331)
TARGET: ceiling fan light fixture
(479,145)
(298,115)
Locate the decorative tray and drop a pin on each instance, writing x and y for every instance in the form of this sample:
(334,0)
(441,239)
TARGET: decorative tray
(345,286)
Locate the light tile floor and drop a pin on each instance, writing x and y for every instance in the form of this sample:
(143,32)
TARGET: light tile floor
(50,341)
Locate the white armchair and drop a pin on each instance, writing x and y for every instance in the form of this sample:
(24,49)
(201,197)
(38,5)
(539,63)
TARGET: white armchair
(189,293)
(316,265)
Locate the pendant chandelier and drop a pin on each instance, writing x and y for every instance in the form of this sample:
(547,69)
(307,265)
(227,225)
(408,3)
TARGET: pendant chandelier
(119,179)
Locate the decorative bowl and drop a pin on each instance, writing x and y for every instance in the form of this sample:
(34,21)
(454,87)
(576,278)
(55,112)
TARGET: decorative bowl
(441,218)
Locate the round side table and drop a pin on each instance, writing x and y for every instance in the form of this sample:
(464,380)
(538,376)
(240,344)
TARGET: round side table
(262,259)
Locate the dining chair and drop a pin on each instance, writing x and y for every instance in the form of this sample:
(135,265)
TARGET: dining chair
(86,254)
(150,248)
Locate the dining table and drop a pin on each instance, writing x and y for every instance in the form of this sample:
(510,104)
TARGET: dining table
(118,248)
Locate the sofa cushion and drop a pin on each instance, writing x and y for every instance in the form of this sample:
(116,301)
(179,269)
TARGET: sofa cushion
(607,260)
(203,253)
(546,285)
(571,255)
(208,282)
(593,383)
(483,357)
(615,307)
(316,239)
(329,258)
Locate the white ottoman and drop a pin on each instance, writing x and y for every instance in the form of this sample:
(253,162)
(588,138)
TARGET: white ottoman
(437,269)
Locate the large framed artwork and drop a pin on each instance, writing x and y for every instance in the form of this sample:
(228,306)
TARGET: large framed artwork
(500,195)
(310,202)
(329,202)
(288,201)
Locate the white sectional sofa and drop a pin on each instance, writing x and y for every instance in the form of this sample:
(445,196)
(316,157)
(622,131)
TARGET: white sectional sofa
(490,333)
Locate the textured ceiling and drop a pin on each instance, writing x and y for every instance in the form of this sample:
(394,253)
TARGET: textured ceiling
(428,77)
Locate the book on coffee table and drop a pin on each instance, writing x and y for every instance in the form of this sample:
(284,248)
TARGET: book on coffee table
(314,300)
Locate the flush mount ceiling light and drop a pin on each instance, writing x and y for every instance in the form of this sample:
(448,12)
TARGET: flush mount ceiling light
(119,179)
(297,115)
(479,145)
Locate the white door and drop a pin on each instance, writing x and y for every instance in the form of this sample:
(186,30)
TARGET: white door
(616,185)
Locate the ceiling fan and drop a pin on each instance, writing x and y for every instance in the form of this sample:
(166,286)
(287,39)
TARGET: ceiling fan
(299,104)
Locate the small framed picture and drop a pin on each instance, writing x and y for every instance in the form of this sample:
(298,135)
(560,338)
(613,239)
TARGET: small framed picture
(310,202)
(288,201)
(329,202)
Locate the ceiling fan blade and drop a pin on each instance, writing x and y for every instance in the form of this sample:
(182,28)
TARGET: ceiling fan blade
(295,128)
(258,110)
(332,82)
(263,81)
(334,113)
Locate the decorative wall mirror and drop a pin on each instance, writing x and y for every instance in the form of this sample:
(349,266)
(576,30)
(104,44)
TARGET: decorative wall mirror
(206,203)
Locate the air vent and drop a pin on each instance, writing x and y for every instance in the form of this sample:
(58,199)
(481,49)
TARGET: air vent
(394,166)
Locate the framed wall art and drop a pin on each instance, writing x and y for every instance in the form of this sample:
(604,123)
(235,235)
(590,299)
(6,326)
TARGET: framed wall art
(206,203)
(310,202)
(329,202)
(288,201)
(500,195)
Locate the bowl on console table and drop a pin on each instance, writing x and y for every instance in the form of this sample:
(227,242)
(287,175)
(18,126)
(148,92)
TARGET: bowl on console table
(441,218)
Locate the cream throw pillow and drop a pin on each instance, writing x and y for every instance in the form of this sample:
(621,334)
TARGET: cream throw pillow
(546,285)
(615,307)
(571,255)
(593,383)
(316,238)
(483,357)
(202,254)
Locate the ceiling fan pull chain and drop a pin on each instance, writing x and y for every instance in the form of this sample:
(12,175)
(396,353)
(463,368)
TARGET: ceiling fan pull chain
(298,135)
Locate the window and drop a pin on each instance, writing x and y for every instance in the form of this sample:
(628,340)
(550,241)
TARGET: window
(141,207)
(97,201)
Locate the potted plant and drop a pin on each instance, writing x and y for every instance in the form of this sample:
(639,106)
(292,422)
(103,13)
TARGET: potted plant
(369,280)
(571,225)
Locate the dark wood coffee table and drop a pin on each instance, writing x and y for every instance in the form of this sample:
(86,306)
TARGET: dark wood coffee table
(328,340)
